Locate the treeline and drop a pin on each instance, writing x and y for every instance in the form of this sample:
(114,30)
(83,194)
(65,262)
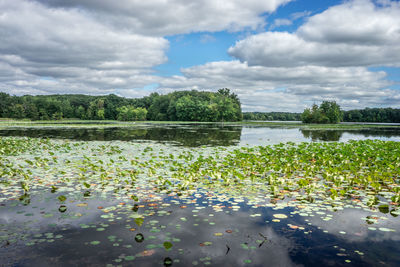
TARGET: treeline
(271,116)
(177,106)
(388,115)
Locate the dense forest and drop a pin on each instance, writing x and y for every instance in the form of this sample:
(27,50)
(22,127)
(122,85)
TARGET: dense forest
(271,116)
(177,106)
(372,115)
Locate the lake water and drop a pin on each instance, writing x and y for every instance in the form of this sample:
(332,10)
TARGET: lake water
(205,134)
(101,224)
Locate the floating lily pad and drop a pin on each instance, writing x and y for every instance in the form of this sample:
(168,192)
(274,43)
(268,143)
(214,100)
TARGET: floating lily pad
(280,216)
(167,245)
(62,208)
(62,198)
(139,238)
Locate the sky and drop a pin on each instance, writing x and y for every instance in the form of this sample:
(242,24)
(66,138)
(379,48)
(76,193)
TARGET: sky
(276,55)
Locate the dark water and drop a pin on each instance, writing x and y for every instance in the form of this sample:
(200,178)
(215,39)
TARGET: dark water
(193,135)
(247,236)
(206,227)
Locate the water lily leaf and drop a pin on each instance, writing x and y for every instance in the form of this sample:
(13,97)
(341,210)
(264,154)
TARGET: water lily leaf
(280,216)
(384,229)
(384,208)
(62,198)
(167,262)
(139,221)
(135,208)
(167,245)
(62,208)
(25,199)
(129,258)
(139,238)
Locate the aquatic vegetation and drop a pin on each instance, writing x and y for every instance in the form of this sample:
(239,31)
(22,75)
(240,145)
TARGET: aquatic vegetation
(141,198)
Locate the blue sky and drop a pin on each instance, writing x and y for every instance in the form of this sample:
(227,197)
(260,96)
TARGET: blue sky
(201,47)
(277,55)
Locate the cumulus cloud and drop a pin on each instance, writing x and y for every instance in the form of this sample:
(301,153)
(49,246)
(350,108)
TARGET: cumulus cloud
(71,50)
(286,88)
(169,17)
(327,58)
(102,47)
(356,33)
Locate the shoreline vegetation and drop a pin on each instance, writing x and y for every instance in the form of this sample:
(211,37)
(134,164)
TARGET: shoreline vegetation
(366,115)
(177,106)
(182,106)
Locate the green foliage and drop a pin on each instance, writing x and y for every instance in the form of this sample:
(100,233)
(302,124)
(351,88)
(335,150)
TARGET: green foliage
(184,106)
(389,115)
(271,116)
(130,113)
(327,112)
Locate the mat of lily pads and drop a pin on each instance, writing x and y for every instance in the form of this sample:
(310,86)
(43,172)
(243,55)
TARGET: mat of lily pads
(118,203)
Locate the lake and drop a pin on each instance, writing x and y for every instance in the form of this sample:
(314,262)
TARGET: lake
(187,134)
(199,194)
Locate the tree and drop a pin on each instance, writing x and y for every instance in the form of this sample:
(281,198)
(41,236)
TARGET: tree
(18,111)
(96,110)
(80,112)
(327,112)
(130,113)
(332,111)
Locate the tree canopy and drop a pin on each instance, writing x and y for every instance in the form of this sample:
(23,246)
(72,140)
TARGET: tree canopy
(223,105)
(271,116)
(327,112)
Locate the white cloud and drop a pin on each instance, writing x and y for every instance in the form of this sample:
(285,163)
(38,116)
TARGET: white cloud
(356,33)
(207,38)
(280,22)
(286,88)
(101,47)
(327,58)
(98,46)
(299,15)
(77,52)
(170,17)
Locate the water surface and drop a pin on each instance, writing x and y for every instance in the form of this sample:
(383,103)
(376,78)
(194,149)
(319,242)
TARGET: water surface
(193,135)
(109,219)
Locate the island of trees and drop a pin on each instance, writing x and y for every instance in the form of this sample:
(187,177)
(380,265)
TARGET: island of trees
(329,112)
(223,105)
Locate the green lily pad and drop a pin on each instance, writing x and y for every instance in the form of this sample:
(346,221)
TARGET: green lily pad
(167,245)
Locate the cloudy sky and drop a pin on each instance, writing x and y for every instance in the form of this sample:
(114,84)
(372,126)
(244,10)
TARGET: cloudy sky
(277,55)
